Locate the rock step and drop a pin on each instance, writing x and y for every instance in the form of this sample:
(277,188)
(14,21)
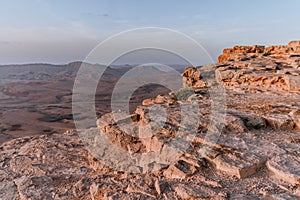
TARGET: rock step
(286,168)
(193,191)
(235,163)
(282,196)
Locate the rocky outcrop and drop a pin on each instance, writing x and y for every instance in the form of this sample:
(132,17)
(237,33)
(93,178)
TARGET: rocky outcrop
(255,155)
(275,67)
(192,78)
(261,92)
(242,53)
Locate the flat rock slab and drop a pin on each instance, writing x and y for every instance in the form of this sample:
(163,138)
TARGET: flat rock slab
(193,191)
(282,196)
(241,155)
(285,168)
(38,187)
(8,190)
(180,170)
(238,164)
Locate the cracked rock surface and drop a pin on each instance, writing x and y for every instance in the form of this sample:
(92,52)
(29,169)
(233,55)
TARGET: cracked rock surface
(254,156)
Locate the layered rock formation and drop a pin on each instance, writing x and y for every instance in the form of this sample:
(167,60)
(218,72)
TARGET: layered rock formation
(276,67)
(255,156)
(244,52)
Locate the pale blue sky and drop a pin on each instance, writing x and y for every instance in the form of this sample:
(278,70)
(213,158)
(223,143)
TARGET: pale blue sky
(60,31)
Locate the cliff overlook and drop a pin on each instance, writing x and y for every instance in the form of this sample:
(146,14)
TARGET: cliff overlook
(256,154)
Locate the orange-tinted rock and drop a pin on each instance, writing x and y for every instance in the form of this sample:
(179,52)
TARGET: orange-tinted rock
(280,121)
(160,99)
(295,115)
(240,52)
(192,78)
(180,170)
(235,53)
(294,44)
(147,102)
(261,92)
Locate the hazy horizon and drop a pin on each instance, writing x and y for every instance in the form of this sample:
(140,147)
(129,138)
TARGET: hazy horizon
(60,32)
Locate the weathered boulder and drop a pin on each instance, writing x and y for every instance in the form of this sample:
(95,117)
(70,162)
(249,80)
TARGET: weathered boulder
(280,121)
(295,115)
(192,78)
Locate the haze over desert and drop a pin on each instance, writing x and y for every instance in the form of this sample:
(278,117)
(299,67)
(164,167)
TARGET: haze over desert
(149,100)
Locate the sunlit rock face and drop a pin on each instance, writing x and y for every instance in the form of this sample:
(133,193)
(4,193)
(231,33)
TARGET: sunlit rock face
(255,156)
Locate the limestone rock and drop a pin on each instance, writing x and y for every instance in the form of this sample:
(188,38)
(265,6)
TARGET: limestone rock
(192,78)
(153,144)
(285,168)
(140,186)
(280,121)
(252,150)
(281,196)
(234,124)
(8,190)
(160,99)
(125,137)
(295,115)
(237,164)
(293,82)
(147,102)
(37,187)
(294,44)
(180,170)
(238,52)
(254,121)
(194,191)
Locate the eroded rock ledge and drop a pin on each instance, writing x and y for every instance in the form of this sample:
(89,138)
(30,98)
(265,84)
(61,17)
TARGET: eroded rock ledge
(244,52)
(256,155)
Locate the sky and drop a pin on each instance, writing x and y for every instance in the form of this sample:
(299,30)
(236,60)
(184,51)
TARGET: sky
(62,31)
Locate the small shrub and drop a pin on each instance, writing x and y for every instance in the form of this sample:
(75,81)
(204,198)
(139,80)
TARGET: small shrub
(183,94)
(260,125)
(266,54)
